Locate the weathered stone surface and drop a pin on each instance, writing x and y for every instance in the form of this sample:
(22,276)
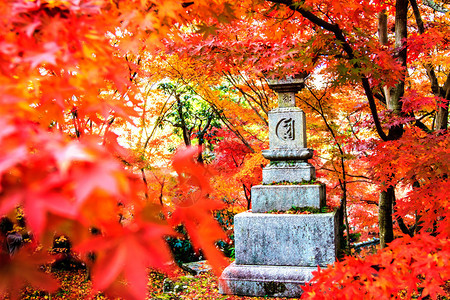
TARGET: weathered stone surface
(287,128)
(283,197)
(288,171)
(260,281)
(286,99)
(285,239)
(288,84)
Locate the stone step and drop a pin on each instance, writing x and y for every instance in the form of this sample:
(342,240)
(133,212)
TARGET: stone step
(196,267)
(285,239)
(261,281)
(283,197)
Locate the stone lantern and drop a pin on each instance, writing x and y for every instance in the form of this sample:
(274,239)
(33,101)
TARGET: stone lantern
(276,253)
(288,151)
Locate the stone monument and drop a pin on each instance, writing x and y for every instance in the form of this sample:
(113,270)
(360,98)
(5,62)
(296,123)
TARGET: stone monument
(277,253)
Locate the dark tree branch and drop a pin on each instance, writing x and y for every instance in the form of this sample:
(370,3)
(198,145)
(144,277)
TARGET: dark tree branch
(428,67)
(436,7)
(144,179)
(338,33)
(442,115)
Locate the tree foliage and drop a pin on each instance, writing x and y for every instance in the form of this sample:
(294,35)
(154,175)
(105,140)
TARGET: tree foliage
(382,109)
(74,74)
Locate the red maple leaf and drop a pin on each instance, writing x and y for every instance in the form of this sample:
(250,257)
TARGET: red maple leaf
(190,173)
(203,229)
(128,251)
(101,174)
(195,210)
(22,269)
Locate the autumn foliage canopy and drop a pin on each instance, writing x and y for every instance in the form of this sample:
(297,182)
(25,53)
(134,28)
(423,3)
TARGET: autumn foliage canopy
(75,76)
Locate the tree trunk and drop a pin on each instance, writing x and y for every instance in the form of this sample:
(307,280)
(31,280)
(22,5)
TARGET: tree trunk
(383,38)
(385,216)
(201,137)
(185,130)
(394,103)
(442,114)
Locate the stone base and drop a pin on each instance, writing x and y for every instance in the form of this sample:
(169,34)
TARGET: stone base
(260,281)
(285,239)
(284,197)
(287,171)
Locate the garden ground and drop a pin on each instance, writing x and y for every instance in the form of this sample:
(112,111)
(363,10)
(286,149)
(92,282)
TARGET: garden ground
(75,286)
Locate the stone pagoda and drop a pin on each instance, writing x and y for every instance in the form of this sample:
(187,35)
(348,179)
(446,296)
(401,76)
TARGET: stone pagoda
(276,253)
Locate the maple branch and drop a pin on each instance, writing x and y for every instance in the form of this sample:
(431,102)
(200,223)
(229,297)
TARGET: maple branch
(230,78)
(235,162)
(227,123)
(266,96)
(369,201)
(339,34)
(74,113)
(144,179)
(359,181)
(403,227)
(246,194)
(418,122)
(354,133)
(220,114)
(381,97)
(201,135)
(253,86)
(322,115)
(349,175)
(187,4)
(446,88)
(184,127)
(428,66)
(436,7)
(373,108)
(343,182)
(442,115)
(417,15)
(161,191)
(307,14)
(400,222)
(161,116)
